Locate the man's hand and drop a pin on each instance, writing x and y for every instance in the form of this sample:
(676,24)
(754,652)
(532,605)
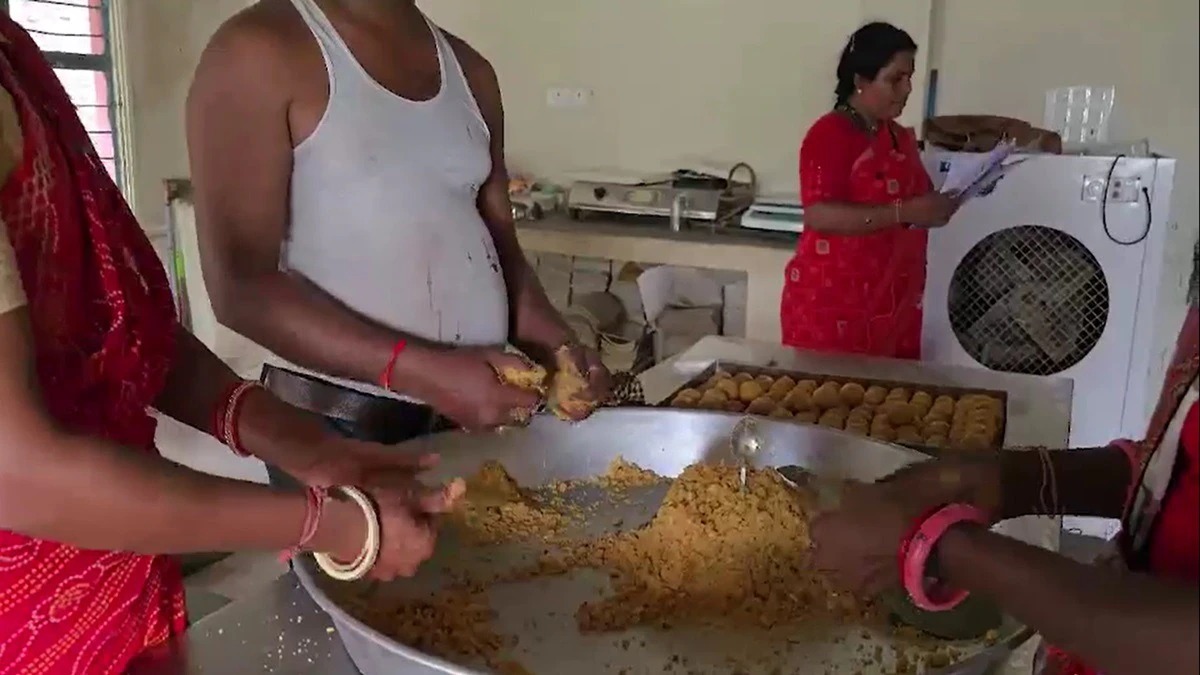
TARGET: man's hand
(464,385)
(580,381)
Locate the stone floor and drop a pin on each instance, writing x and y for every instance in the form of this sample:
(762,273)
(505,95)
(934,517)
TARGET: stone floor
(233,578)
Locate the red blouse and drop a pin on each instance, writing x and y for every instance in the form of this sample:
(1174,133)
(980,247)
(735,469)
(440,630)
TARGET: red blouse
(857,293)
(834,145)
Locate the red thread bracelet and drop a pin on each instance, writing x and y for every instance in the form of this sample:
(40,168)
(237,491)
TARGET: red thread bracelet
(936,597)
(314,508)
(385,378)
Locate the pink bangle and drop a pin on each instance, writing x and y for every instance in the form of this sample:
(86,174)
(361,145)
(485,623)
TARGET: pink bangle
(934,597)
(1133,453)
(314,509)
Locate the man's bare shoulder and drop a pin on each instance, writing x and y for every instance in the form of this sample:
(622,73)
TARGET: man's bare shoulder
(266,37)
(478,70)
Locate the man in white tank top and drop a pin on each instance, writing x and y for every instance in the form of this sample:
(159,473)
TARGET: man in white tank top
(353,211)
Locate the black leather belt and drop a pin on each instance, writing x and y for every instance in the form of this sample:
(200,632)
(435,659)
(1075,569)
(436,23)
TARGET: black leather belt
(373,418)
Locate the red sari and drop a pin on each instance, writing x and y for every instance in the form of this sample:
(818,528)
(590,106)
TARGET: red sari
(103,326)
(1160,533)
(857,294)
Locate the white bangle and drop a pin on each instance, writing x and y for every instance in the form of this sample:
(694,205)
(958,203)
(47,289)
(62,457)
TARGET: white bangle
(370,551)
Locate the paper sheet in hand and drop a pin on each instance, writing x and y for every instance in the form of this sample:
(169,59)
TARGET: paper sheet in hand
(971,174)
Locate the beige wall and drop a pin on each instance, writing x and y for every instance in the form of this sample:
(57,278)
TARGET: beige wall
(994,57)
(733,79)
(164,39)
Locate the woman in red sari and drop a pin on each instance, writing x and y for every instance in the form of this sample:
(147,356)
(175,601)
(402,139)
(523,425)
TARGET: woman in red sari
(856,281)
(89,512)
(1139,612)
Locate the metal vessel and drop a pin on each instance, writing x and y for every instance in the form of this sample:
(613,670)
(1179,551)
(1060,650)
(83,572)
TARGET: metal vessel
(683,196)
(666,442)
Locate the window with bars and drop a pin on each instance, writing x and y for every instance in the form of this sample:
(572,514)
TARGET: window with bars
(75,37)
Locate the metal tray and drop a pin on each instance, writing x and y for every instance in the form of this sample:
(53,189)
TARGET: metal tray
(798,375)
(664,441)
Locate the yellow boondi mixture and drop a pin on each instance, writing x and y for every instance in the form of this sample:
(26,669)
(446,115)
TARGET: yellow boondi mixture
(711,554)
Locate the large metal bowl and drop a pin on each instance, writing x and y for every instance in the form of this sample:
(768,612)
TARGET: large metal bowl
(665,441)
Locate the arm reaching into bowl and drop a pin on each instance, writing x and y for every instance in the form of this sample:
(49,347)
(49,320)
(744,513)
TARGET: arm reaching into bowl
(1090,482)
(1140,616)
(1117,621)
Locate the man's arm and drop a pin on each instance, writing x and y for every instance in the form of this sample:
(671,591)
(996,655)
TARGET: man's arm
(240,147)
(537,327)
(1120,623)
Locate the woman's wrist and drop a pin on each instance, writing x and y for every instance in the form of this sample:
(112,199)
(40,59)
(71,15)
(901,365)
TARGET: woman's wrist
(342,532)
(1019,479)
(918,554)
(948,555)
(279,433)
(877,217)
(229,411)
(1078,482)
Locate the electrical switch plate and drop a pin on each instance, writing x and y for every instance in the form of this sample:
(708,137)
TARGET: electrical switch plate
(568,97)
(1121,189)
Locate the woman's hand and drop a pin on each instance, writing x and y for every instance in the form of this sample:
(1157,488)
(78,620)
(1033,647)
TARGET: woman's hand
(408,517)
(858,543)
(330,460)
(928,485)
(932,209)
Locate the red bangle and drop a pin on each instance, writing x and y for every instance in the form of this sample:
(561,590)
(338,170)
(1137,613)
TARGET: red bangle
(935,597)
(228,414)
(313,510)
(385,378)
(219,412)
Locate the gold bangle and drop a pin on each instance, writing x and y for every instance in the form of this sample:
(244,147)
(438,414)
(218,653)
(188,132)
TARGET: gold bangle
(370,551)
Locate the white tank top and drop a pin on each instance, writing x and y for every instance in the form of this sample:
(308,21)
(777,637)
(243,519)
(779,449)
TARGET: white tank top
(384,214)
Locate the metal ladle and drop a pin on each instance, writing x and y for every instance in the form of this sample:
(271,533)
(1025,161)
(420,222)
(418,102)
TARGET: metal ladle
(747,443)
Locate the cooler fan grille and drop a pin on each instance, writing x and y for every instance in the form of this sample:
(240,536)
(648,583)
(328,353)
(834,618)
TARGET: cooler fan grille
(1029,299)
